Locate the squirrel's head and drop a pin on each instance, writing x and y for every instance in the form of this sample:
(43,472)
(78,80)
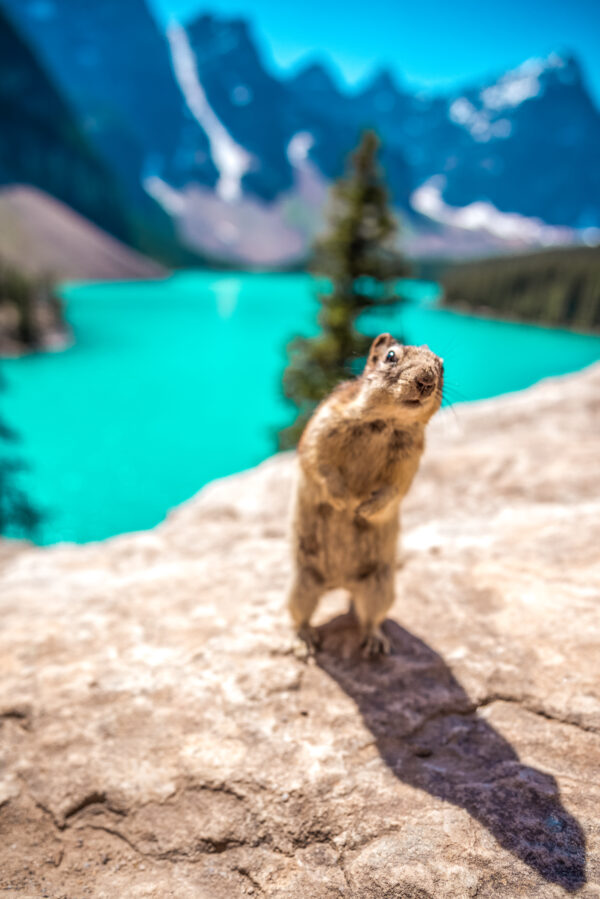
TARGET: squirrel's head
(408,377)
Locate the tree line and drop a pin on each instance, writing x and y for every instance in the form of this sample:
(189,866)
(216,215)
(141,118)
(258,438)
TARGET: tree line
(29,312)
(554,287)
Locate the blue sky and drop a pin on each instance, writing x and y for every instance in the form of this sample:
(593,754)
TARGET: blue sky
(428,44)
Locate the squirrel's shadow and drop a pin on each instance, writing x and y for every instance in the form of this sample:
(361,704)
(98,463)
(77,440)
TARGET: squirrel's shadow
(428,733)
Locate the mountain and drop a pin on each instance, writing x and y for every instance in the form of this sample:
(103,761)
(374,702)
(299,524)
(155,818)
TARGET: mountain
(41,142)
(507,163)
(525,143)
(335,119)
(276,143)
(251,103)
(211,149)
(111,67)
(530,145)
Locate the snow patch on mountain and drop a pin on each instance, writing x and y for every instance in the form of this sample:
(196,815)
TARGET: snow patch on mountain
(515,87)
(480,113)
(478,122)
(520,84)
(299,147)
(231,160)
(483,216)
(169,198)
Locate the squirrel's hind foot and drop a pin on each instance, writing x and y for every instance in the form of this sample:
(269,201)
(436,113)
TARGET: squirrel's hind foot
(375,644)
(308,640)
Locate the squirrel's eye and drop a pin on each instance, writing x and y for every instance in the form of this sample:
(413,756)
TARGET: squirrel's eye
(391,356)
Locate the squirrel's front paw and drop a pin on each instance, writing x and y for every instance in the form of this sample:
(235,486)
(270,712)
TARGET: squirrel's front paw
(368,507)
(379,500)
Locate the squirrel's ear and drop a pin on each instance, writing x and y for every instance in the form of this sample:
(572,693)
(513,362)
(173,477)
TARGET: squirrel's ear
(379,344)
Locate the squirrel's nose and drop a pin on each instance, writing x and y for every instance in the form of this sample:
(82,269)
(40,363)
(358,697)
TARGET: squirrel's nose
(425,381)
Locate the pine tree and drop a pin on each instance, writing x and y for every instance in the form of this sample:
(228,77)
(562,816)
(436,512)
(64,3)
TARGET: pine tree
(361,264)
(17,515)
(22,297)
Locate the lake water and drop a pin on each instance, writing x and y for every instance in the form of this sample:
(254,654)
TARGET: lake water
(171,384)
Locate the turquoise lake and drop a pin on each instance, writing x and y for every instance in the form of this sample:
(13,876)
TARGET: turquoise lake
(173,383)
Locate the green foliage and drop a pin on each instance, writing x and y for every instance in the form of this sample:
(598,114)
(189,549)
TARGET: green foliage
(22,326)
(556,287)
(28,308)
(361,265)
(17,515)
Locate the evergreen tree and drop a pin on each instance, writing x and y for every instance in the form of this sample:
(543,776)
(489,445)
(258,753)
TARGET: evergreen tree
(558,286)
(361,264)
(17,515)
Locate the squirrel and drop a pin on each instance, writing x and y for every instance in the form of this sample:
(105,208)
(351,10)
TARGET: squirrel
(357,458)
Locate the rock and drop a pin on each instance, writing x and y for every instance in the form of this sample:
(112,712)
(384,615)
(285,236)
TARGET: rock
(40,235)
(159,738)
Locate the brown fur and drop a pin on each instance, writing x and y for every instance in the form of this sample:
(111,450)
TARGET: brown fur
(358,456)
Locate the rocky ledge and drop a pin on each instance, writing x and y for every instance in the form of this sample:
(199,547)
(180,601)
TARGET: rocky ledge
(160,738)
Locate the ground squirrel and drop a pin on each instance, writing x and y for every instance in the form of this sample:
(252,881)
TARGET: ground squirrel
(357,458)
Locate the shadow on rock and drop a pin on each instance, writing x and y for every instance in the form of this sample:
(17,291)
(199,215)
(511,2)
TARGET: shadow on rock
(429,735)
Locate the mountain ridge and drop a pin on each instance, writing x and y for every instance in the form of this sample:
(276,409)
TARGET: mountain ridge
(216,141)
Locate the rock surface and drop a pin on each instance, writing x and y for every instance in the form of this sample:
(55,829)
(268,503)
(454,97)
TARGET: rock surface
(159,737)
(42,236)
